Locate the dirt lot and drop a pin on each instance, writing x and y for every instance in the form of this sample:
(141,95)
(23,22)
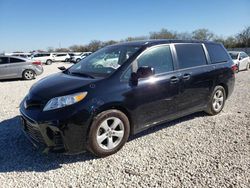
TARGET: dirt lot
(197,150)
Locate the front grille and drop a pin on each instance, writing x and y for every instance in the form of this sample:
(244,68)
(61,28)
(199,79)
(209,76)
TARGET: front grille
(34,132)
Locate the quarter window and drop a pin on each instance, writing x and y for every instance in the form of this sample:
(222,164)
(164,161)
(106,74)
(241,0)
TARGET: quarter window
(16,60)
(159,58)
(217,53)
(190,55)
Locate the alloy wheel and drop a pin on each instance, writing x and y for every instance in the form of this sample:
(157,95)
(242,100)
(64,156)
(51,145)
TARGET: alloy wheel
(29,75)
(110,133)
(218,100)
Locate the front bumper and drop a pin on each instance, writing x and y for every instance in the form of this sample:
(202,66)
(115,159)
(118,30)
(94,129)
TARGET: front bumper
(62,133)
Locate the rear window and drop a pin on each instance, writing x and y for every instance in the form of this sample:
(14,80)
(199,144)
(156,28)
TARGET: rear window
(190,55)
(217,53)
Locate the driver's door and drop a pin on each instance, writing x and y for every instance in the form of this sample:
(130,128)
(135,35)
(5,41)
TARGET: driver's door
(155,99)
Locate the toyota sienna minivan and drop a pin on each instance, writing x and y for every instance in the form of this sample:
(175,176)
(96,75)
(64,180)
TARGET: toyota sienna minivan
(96,106)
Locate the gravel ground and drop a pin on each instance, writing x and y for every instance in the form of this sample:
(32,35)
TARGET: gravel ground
(194,151)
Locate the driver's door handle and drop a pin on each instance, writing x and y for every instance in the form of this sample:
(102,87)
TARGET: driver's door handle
(174,80)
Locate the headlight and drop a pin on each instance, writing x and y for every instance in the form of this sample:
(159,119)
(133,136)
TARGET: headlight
(60,102)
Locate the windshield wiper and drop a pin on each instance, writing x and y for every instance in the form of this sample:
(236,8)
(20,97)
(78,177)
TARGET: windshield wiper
(82,74)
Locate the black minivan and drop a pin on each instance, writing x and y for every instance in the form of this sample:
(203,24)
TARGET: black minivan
(122,89)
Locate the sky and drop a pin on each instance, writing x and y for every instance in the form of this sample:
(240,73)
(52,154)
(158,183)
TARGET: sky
(38,24)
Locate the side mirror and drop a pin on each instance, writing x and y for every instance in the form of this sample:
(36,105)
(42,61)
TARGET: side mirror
(240,58)
(142,72)
(61,68)
(145,72)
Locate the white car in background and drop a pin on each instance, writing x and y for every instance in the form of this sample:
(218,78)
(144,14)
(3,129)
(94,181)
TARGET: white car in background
(241,59)
(78,58)
(45,58)
(61,57)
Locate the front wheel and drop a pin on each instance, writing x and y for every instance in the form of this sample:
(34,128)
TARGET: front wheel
(108,133)
(217,101)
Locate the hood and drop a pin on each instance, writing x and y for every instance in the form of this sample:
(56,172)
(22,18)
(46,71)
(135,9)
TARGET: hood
(58,84)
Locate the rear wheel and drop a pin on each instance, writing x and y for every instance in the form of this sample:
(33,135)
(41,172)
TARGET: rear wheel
(49,62)
(108,133)
(28,74)
(77,60)
(217,101)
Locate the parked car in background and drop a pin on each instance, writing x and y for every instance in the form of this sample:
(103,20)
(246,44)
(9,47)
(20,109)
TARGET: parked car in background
(72,54)
(77,58)
(17,67)
(45,58)
(241,59)
(152,82)
(61,57)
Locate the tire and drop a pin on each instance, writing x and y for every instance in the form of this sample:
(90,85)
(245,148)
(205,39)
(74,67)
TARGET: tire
(77,60)
(113,128)
(28,74)
(217,101)
(49,62)
(248,67)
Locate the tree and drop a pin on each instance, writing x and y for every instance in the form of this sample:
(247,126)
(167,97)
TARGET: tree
(61,49)
(78,48)
(244,37)
(50,49)
(109,42)
(184,36)
(136,38)
(202,34)
(94,45)
(163,34)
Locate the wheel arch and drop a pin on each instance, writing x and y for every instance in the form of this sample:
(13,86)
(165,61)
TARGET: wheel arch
(225,87)
(116,106)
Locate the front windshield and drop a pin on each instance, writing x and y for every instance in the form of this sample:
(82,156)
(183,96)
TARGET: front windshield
(233,55)
(103,62)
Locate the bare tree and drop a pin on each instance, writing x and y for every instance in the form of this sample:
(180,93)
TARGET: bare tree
(94,45)
(202,34)
(163,34)
(50,49)
(135,38)
(78,48)
(244,37)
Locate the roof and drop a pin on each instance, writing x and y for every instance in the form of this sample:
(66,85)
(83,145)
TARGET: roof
(153,42)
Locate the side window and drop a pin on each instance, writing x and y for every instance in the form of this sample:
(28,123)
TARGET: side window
(190,55)
(243,55)
(217,53)
(4,60)
(159,58)
(15,60)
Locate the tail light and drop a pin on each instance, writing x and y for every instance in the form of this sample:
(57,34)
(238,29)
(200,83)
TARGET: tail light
(37,63)
(235,69)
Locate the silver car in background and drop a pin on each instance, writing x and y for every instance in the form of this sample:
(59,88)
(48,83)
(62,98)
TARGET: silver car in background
(17,67)
(241,59)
